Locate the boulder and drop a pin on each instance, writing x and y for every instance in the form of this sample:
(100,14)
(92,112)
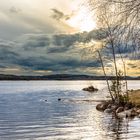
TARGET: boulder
(119,109)
(102,106)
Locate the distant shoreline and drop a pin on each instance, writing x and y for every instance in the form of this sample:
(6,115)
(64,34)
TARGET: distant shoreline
(63,77)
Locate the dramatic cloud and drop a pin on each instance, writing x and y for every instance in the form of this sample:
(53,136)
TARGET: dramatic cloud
(51,54)
(56,53)
(35,38)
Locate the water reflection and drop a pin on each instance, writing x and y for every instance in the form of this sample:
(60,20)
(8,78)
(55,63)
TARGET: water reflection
(119,128)
(26,115)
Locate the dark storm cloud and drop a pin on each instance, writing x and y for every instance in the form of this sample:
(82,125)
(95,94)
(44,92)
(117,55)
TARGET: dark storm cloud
(30,59)
(55,43)
(66,41)
(60,42)
(57,53)
(54,64)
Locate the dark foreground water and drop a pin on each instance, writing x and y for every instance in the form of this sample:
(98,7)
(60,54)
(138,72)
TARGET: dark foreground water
(25,115)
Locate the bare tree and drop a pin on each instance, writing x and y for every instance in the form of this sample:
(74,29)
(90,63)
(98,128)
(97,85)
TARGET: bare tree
(126,13)
(119,20)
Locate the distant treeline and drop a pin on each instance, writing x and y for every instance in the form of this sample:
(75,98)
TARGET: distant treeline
(61,77)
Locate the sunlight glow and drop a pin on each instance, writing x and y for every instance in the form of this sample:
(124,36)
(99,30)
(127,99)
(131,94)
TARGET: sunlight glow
(82,20)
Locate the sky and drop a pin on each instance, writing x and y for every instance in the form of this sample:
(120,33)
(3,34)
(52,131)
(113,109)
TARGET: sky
(42,37)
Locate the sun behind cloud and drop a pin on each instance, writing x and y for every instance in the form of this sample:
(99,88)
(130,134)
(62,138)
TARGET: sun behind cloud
(82,20)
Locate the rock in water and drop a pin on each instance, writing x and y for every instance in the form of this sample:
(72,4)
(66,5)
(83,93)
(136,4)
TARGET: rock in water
(90,89)
(102,106)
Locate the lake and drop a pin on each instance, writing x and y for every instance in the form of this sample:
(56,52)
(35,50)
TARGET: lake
(30,110)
